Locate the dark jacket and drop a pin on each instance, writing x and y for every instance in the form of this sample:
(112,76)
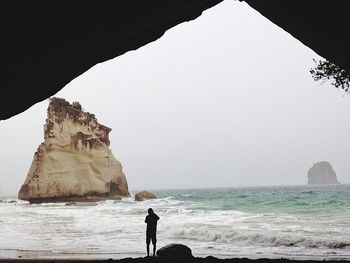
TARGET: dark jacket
(151,221)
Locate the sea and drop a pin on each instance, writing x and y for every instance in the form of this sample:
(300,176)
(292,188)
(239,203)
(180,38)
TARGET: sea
(295,222)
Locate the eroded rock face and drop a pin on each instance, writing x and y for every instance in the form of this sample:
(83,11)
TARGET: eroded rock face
(74,163)
(144,195)
(322,173)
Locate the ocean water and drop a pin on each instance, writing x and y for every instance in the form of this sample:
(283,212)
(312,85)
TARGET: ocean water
(299,222)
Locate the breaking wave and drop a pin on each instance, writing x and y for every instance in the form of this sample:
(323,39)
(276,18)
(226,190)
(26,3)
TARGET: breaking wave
(249,238)
(244,222)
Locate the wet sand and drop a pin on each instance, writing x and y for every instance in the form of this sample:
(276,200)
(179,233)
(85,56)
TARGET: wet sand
(162,260)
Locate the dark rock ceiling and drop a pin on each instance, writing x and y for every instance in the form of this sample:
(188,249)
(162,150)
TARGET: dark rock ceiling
(321,25)
(46,44)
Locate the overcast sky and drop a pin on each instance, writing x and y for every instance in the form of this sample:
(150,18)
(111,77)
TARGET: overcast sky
(225,100)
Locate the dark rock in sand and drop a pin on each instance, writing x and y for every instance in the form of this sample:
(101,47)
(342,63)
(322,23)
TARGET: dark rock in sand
(175,251)
(144,195)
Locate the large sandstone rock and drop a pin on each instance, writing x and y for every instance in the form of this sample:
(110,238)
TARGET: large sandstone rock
(74,163)
(144,195)
(322,173)
(175,251)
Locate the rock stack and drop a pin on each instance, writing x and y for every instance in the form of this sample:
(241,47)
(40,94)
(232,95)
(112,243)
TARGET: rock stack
(322,173)
(74,163)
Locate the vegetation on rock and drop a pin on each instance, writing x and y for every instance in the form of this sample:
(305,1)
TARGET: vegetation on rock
(61,103)
(326,70)
(61,106)
(77,105)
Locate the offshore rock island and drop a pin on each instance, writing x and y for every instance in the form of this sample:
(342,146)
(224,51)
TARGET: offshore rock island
(322,173)
(74,163)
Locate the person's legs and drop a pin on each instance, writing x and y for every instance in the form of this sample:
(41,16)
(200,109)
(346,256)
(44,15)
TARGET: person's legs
(148,240)
(154,242)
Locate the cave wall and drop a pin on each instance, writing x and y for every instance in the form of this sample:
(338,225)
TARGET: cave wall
(46,44)
(321,25)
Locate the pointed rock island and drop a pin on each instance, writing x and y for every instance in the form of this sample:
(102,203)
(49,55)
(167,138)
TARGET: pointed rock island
(74,163)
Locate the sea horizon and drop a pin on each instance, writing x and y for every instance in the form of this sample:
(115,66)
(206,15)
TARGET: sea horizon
(136,190)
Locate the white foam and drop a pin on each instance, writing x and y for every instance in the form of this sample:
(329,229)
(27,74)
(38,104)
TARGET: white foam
(110,226)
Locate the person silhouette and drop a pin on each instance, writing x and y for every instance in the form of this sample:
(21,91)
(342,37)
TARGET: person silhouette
(151,230)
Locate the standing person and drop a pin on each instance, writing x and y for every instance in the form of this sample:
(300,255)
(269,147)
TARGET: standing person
(151,231)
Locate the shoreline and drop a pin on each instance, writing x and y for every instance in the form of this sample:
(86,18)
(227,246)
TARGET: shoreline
(208,259)
(14,255)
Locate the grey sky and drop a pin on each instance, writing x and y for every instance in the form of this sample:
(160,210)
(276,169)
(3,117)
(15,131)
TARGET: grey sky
(225,100)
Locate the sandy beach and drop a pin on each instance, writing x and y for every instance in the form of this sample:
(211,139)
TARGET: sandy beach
(161,260)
